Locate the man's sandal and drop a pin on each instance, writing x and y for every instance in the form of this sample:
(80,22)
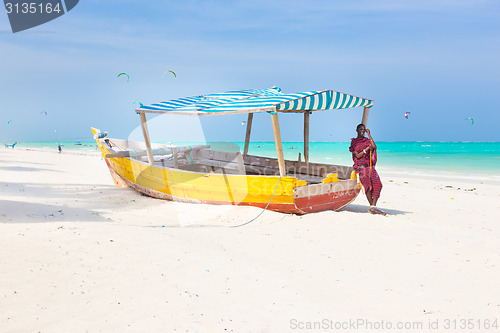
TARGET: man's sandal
(376,211)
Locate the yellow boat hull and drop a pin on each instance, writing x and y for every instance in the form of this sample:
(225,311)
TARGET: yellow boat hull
(283,194)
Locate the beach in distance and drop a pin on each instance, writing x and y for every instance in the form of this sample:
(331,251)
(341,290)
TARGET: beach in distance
(80,255)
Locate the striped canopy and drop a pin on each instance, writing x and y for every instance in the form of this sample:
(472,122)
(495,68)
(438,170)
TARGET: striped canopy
(257,100)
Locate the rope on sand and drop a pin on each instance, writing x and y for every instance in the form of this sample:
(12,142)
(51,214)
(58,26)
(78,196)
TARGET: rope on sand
(240,225)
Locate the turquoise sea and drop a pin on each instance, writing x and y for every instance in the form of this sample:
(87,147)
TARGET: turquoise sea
(465,159)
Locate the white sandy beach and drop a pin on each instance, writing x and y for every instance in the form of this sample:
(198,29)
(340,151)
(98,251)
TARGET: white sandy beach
(80,255)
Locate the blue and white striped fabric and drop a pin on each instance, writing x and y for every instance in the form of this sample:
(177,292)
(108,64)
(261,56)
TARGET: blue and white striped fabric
(258,100)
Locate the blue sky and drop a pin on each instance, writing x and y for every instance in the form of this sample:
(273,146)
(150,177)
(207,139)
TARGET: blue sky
(439,60)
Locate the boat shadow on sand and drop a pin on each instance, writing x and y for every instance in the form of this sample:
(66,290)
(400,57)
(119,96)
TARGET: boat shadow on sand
(25,212)
(42,202)
(25,169)
(364,209)
(18,162)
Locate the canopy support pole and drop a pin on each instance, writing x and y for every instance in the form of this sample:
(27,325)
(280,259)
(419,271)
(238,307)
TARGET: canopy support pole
(247,137)
(366,111)
(144,126)
(306,139)
(279,147)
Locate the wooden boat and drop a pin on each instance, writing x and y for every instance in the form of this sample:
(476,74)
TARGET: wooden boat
(205,174)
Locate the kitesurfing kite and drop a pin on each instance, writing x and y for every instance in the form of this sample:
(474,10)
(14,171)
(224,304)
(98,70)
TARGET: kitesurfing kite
(128,77)
(243,123)
(472,120)
(9,122)
(43,112)
(165,72)
(406,114)
(140,104)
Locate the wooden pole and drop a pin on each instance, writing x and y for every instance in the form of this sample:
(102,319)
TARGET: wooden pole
(364,120)
(247,137)
(279,147)
(146,138)
(306,138)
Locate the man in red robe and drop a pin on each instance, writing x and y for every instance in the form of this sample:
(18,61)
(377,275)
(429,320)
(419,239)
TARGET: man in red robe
(364,155)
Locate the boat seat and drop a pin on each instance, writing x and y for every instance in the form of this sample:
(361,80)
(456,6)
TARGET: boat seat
(235,168)
(309,179)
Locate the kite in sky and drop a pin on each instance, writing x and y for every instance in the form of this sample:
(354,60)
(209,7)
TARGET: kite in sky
(140,104)
(406,114)
(165,72)
(43,112)
(128,77)
(472,120)
(243,123)
(9,122)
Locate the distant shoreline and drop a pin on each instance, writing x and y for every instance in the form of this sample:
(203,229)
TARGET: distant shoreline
(468,161)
